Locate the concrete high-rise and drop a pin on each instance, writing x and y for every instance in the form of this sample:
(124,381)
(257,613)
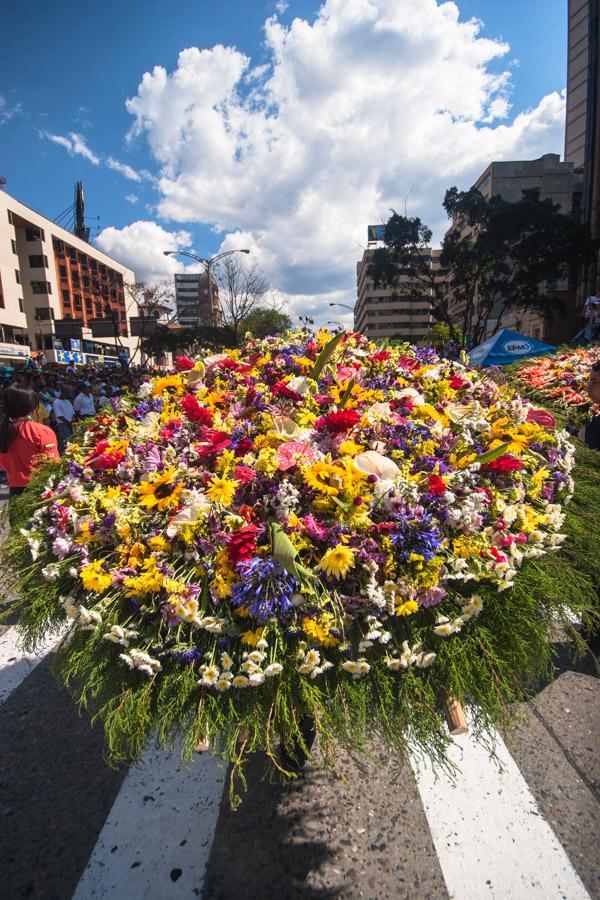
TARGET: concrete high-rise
(197,300)
(582,131)
(398,312)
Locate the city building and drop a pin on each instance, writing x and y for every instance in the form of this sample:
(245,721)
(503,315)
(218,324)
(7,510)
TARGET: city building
(197,300)
(386,312)
(554,180)
(58,293)
(582,131)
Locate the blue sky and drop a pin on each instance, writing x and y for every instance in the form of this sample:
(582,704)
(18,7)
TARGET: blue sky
(84,60)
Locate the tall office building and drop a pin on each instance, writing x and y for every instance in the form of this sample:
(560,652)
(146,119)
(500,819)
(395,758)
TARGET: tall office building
(582,132)
(197,300)
(391,312)
(56,287)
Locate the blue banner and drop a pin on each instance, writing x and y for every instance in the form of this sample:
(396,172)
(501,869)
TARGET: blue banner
(69,356)
(506,347)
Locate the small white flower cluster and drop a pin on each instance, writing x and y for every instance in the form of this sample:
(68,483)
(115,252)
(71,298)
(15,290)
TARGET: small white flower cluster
(357,668)
(410,656)
(34,543)
(287,499)
(143,662)
(210,624)
(372,590)
(119,635)
(375,633)
(251,673)
(466,516)
(51,572)
(310,662)
(88,619)
(471,608)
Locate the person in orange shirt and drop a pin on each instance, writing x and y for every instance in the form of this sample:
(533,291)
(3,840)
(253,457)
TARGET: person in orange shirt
(23,441)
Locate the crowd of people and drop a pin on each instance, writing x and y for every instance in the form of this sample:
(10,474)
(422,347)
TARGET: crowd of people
(39,404)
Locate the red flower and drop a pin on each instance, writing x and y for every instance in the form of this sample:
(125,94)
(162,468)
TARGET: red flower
(381,356)
(212,442)
(107,460)
(244,446)
(228,363)
(408,362)
(341,421)
(244,474)
(436,486)
(168,430)
(280,389)
(183,363)
(503,464)
(194,412)
(242,544)
(541,417)
(456,382)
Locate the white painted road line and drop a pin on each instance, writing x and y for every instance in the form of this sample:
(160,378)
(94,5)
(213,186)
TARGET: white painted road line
(15,664)
(157,838)
(490,837)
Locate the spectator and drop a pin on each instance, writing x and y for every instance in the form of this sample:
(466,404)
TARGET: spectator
(592,430)
(23,441)
(83,404)
(63,413)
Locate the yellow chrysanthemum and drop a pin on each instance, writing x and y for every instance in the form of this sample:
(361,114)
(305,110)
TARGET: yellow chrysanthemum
(168,381)
(159,544)
(251,638)
(337,561)
(94,578)
(222,490)
(319,629)
(407,608)
(162,491)
(350,448)
(324,477)
(148,582)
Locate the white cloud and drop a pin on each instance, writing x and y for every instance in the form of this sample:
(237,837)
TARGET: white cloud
(123,169)
(141,246)
(373,100)
(281,6)
(8,112)
(75,144)
(132,198)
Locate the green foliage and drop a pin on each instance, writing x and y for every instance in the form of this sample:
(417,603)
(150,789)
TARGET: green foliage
(189,340)
(264,322)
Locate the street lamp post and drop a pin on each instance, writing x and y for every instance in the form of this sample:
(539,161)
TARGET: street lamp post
(344,305)
(207,263)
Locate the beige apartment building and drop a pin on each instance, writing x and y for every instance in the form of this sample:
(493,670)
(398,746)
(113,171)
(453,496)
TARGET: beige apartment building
(557,181)
(56,288)
(197,300)
(385,312)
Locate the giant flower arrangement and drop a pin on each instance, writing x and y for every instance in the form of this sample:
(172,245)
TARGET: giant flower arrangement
(560,380)
(309,527)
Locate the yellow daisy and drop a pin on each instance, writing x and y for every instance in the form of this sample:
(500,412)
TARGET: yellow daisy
(168,381)
(222,490)
(94,578)
(324,477)
(337,561)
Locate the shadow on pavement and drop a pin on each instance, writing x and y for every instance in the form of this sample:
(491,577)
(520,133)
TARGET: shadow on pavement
(267,848)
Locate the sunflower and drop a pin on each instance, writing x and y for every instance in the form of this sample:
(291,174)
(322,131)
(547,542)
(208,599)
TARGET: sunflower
(94,578)
(169,381)
(324,477)
(162,491)
(337,561)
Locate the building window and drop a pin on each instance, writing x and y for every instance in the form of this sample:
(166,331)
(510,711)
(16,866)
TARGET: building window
(63,271)
(38,262)
(41,287)
(17,276)
(58,245)
(10,216)
(13,244)
(21,308)
(33,234)
(43,313)
(66,296)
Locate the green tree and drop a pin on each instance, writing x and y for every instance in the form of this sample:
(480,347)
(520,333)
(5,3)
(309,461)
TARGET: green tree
(263,322)
(497,256)
(188,341)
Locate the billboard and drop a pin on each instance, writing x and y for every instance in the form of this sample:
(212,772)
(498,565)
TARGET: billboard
(375,233)
(69,356)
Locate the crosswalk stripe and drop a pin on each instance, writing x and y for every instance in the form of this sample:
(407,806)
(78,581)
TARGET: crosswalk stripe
(16,664)
(490,837)
(157,838)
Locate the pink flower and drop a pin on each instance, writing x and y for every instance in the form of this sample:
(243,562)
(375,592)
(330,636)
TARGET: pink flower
(541,417)
(345,373)
(293,452)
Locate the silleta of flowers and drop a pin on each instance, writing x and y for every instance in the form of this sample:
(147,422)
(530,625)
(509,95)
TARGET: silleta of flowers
(259,534)
(561,380)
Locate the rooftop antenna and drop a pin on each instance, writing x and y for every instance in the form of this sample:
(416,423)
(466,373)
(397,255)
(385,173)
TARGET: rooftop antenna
(80,228)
